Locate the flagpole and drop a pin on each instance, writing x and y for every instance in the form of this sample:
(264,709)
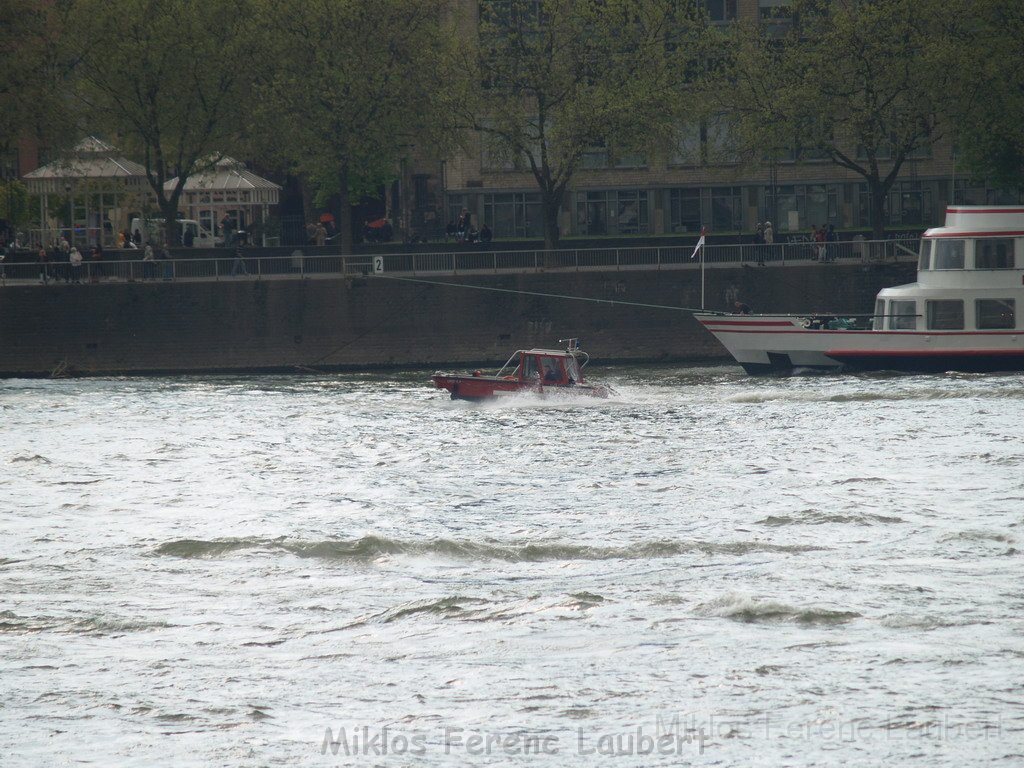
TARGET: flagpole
(703,234)
(702,278)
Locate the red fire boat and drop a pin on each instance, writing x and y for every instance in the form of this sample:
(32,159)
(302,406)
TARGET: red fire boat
(543,371)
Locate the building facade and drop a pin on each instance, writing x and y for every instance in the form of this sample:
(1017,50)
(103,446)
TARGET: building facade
(703,185)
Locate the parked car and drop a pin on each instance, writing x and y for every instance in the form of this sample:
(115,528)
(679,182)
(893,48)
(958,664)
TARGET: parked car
(191,233)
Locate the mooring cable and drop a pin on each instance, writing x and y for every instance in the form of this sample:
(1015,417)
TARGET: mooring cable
(690,310)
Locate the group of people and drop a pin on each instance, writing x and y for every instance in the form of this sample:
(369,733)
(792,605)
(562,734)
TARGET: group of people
(821,238)
(461,230)
(63,261)
(764,235)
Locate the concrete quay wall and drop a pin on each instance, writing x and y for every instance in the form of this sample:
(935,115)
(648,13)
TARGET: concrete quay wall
(363,323)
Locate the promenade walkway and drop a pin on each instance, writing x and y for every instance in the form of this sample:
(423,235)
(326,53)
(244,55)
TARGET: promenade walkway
(129,267)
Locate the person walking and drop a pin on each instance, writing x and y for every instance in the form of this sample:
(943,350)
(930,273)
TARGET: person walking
(239,263)
(769,239)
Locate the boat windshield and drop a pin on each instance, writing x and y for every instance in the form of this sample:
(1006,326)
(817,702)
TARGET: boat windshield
(511,367)
(552,369)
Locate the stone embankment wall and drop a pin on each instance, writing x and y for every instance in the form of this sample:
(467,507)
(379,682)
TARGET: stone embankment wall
(376,322)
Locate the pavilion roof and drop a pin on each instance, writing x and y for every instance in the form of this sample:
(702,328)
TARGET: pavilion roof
(226,174)
(90,160)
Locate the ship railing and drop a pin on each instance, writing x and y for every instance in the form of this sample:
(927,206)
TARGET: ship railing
(299,264)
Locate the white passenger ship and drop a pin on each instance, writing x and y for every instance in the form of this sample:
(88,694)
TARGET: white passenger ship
(960,315)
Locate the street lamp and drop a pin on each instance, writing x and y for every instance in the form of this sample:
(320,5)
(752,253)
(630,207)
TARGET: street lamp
(67,220)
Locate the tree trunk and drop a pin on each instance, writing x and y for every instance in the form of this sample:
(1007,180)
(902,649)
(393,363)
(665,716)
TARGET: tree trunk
(344,212)
(169,209)
(552,206)
(877,193)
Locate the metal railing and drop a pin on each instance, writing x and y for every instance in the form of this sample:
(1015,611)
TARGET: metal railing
(299,265)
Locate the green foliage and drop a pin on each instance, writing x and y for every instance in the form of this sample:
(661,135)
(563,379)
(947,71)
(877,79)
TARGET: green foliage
(353,86)
(559,77)
(990,114)
(863,82)
(165,79)
(15,203)
(32,70)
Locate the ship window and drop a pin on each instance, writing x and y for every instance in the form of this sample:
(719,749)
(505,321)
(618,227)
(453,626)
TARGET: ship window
(878,321)
(995,313)
(945,314)
(925,262)
(904,316)
(993,253)
(949,254)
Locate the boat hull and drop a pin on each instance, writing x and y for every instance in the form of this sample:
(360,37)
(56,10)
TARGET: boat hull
(773,345)
(477,388)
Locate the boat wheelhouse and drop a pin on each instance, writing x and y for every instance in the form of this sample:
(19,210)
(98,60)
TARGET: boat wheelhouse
(961,314)
(542,371)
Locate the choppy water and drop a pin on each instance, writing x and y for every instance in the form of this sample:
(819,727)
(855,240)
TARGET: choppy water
(707,569)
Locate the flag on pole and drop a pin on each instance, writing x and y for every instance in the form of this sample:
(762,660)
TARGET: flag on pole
(700,243)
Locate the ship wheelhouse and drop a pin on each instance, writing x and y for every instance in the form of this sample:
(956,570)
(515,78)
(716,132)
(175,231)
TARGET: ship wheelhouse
(969,273)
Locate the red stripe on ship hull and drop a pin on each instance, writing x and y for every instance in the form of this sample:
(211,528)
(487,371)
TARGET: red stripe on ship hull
(841,353)
(933,334)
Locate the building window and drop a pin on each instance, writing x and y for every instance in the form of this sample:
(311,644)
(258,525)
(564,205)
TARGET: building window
(793,207)
(684,210)
(726,209)
(995,314)
(718,140)
(687,150)
(945,315)
(903,316)
(514,214)
(612,212)
(776,16)
(994,253)
(720,11)
(949,254)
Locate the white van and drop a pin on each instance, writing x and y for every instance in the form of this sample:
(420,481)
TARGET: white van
(143,230)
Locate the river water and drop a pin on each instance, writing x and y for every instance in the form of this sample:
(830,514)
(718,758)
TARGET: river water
(705,569)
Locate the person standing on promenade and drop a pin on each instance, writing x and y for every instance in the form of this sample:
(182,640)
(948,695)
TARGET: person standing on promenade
(165,257)
(98,270)
(830,241)
(44,267)
(61,269)
(769,239)
(75,263)
(148,263)
(226,229)
(759,242)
